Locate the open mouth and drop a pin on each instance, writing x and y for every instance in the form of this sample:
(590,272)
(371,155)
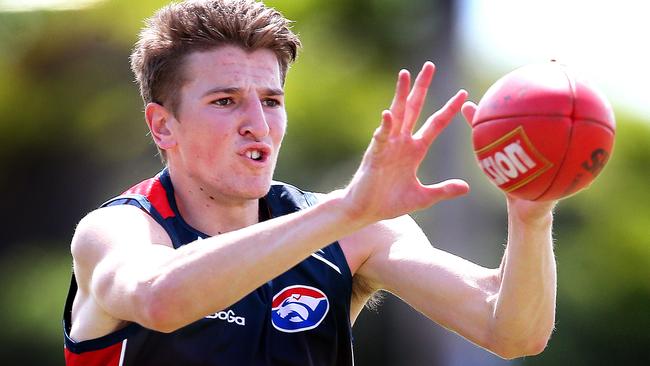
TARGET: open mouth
(257,152)
(254,154)
(257,155)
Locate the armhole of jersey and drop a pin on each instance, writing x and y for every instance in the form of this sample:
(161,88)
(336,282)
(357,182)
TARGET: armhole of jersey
(139,201)
(91,344)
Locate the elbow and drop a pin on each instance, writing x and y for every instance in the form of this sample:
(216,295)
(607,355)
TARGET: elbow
(163,307)
(521,338)
(158,311)
(156,316)
(511,349)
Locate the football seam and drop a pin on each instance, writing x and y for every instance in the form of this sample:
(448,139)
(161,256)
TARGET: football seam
(569,141)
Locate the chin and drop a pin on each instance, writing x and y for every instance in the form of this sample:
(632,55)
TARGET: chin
(256,189)
(258,193)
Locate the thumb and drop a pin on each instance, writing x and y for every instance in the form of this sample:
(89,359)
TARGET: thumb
(468,110)
(447,190)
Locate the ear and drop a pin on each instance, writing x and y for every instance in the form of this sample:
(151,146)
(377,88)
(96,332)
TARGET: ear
(159,120)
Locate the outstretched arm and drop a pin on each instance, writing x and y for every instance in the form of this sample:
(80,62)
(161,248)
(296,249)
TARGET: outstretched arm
(509,310)
(524,310)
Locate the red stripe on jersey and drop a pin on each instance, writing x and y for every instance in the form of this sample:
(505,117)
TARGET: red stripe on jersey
(155,193)
(109,356)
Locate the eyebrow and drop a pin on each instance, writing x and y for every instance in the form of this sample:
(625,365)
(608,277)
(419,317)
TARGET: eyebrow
(235,90)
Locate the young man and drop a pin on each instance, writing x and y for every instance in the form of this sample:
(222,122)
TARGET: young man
(212,263)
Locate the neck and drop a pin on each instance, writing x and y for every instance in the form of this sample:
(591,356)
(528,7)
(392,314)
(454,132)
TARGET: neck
(212,212)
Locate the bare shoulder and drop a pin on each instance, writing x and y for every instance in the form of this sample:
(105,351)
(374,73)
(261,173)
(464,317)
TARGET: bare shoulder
(101,239)
(369,249)
(379,238)
(107,228)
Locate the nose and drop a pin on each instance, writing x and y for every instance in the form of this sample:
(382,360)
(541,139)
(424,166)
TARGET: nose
(254,120)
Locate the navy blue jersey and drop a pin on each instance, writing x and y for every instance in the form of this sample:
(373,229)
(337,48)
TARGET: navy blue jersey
(298,318)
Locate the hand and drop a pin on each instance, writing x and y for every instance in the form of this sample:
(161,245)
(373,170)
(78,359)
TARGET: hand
(525,211)
(386,184)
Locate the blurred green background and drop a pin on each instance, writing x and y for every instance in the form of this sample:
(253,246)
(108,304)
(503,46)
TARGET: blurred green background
(72,135)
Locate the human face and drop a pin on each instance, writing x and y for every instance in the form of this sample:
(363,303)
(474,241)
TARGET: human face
(230,122)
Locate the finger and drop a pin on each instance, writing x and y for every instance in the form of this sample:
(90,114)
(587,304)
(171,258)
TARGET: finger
(439,120)
(416,98)
(401,92)
(446,190)
(468,110)
(383,132)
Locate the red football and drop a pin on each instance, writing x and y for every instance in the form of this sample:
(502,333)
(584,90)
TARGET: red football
(542,133)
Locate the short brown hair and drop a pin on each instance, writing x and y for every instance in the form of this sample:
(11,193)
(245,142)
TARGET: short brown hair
(182,28)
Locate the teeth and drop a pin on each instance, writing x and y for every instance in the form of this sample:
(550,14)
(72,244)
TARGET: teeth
(253,154)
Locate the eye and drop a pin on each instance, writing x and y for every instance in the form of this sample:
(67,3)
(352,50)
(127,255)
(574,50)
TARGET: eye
(269,102)
(223,102)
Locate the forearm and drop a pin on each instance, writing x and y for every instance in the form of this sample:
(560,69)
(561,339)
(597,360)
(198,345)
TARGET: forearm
(524,311)
(213,274)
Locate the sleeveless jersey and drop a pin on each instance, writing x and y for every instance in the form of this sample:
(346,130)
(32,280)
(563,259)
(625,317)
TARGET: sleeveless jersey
(298,318)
